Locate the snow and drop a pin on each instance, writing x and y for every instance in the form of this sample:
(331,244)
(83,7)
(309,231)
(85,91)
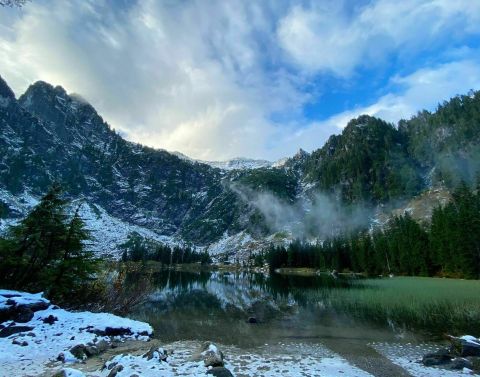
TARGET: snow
(47,341)
(239,163)
(106,242)
(284,361)
(470,339)
(20,298)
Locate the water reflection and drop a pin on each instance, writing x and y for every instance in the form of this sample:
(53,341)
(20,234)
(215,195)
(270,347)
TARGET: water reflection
(220,306)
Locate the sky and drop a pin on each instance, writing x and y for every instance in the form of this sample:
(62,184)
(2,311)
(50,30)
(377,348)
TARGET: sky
(217,79)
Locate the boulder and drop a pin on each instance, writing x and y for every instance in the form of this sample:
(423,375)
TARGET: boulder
(220,372)
(10,330)
(111,331)
(102,345)
(91,350)
(22,314)
(441,357)
(78,351)
(115,370)
(155,352)
(212,356)
(470,349)
(459,363)
(51,319)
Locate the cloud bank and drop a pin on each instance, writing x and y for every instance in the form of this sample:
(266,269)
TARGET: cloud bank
(220,79)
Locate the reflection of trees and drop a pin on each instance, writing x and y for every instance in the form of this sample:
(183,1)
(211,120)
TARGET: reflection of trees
(180,280)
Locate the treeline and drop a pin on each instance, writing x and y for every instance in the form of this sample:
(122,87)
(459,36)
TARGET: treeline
(449,246)
(139,249)
(46,251)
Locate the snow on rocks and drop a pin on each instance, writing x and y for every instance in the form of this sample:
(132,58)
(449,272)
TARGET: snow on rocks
(268,362)
(54,334)
(20,307)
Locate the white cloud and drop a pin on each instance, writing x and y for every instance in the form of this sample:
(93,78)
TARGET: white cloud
(205,77)
(329,36)
(423,89)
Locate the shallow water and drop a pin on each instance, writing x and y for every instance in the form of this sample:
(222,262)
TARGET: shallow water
(217,306)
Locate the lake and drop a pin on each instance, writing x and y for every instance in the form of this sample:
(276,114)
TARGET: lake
(355,318)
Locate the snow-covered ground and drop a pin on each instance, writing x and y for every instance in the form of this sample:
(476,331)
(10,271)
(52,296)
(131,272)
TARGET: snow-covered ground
(27,352)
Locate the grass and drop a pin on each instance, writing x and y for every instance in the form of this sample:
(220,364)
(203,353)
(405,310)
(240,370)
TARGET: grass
(432,305)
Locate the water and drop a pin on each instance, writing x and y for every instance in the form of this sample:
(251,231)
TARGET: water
(216,306)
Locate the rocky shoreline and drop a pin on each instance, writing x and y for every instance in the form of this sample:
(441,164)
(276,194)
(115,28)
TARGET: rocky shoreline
(38,338)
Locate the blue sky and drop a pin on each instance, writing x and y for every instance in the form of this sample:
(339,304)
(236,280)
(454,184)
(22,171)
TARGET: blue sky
(218,79)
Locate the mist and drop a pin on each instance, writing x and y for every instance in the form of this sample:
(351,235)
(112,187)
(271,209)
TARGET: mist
(316,216)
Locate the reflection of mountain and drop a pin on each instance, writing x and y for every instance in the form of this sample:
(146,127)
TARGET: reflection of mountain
(236,293)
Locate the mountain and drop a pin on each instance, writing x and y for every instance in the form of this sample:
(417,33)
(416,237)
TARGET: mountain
(240,163)
(233,207)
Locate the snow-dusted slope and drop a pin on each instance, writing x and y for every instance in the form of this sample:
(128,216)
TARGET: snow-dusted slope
(239,163)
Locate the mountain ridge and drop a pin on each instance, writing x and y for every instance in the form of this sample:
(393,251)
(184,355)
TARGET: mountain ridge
(48,135)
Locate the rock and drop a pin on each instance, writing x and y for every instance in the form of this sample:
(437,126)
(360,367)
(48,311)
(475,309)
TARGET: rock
(212,356)
(112,331)
(470,349)
(252,320)
(61,357)
(91,350)
(103,345)
(18,343)
(155,352)
(78,351)
(10,330)
(263,310)
(115,370)
(459,363)
(23,314)
(441,357)
(464,346)
(50,319)
(60,373)
(220,372)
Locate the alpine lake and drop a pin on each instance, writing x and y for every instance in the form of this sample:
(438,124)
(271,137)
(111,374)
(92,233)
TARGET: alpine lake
(368,322)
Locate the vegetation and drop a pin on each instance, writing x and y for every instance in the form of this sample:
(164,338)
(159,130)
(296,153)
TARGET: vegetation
(141,249)
(440,306)
(449,247)
(367,162)
(46,252)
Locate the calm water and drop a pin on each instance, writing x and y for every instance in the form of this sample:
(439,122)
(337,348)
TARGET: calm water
(216,306)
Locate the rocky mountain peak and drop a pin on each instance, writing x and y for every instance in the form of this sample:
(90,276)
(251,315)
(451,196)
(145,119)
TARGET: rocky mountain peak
(5,91)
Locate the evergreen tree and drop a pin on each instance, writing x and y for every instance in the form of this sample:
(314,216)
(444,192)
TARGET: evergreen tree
(46,250)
